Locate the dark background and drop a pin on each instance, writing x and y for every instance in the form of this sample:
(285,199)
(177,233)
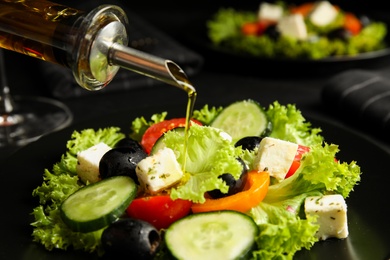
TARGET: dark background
(178,20)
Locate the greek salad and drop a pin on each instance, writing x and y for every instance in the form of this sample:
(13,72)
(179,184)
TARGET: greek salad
(312,30)
(249,182)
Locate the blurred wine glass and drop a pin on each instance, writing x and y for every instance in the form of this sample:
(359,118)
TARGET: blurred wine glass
(24,119)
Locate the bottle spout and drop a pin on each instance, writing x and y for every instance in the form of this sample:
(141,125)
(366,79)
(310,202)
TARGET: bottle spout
(102,49)
(149,65)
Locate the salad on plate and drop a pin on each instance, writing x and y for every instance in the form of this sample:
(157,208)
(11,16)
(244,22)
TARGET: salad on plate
(241,181)
(312,30)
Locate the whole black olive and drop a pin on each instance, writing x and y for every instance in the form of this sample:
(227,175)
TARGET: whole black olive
(234,185)
(130,238)
(121,161)
(128,142)
(249,142)
(340,33)
(273,32)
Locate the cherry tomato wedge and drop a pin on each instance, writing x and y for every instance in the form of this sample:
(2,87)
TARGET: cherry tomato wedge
(255,28)
(303,9)
(249,28)
(293,168)
(296,162)
(255,189)
(301,151)
(154,132)
(352,23)
(160,210)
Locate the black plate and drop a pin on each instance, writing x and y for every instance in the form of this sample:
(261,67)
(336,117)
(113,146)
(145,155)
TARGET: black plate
(367,209)
(223,59)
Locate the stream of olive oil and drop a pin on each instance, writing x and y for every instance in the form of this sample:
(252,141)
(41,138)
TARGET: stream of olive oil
(189,111)
(185,84)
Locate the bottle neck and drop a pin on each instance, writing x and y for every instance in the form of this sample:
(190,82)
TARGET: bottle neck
(92,37)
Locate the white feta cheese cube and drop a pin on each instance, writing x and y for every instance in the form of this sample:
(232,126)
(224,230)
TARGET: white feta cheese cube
(270,12)
(293,26)
(159,171)
(332,215)
(323,13)
(87,167)
(275,156)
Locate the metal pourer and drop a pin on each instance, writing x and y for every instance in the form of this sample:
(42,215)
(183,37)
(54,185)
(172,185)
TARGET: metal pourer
(102,40)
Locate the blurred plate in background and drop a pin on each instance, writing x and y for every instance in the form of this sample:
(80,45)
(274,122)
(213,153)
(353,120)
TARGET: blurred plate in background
(219,58)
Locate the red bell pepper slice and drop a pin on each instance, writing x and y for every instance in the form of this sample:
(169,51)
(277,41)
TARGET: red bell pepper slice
(160,210)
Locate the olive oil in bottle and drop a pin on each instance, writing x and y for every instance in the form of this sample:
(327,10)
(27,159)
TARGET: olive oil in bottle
(37,28)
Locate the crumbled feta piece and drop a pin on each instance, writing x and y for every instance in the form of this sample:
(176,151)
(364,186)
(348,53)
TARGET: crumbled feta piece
(270,12)
(87,167)
(323,13)
(293,26)
(159,171)
(275,156)
(332,215)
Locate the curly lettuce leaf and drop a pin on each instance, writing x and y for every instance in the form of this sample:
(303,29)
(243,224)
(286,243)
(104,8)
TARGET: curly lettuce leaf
(82,140)
(140,124)
(209,154)
(318,172)
(226,24)
(282,232)
(288,124)
(56,188)
(52,233)
(49,229)
(367,40)
(206,115)
(58,184)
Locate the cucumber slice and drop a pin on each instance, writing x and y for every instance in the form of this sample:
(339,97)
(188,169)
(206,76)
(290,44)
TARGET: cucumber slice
(243,118)
(160,141)
(212,235)
(97,205)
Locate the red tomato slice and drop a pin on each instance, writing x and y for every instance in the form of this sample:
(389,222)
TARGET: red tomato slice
(352,23)
(300,151)
(250,28)
(255,28)
(293,168)
(154,132)
(160,211)
(303,9)
(296,163)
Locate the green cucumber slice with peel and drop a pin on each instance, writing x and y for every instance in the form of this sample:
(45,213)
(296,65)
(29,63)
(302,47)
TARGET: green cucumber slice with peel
(97,205)
(214,235)
(243,118)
